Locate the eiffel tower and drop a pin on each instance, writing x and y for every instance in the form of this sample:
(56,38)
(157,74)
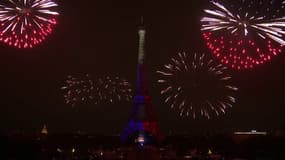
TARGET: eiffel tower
(142,128)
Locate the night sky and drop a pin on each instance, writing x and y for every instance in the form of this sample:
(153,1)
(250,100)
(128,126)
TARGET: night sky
(100,38)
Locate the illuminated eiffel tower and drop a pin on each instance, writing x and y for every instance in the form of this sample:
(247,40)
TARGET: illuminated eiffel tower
(142,127)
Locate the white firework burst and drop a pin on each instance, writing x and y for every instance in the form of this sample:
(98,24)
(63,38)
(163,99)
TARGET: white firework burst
(84,90)
(78,90)
(114,89)
(237,18)
(196,86)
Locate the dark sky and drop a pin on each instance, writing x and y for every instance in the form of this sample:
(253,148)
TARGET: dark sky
(100,38)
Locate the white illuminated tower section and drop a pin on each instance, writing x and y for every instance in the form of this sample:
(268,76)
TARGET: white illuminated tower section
(142,127)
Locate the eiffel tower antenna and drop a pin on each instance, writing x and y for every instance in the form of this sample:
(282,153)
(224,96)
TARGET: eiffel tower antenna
(142,22)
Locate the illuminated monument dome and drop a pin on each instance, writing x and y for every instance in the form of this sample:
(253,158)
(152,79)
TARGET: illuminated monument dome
(142,127)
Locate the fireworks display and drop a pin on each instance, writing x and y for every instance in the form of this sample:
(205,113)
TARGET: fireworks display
(196,86)
(84,90)
(114,89)
(26,23)
(244,33)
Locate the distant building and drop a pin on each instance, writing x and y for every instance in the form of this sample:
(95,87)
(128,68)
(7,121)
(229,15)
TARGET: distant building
(252,132)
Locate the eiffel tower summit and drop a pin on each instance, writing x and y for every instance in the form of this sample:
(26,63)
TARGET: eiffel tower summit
(142,128)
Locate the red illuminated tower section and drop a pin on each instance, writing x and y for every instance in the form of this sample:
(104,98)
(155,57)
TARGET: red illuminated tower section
(142,127)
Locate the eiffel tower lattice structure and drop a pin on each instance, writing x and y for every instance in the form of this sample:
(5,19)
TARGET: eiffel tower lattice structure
(142,127)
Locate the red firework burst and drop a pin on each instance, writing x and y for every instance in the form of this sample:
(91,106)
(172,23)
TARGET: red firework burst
(243,34)
(26,23)
(240,53)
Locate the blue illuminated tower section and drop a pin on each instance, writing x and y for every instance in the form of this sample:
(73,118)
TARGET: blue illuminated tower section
(142,127)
